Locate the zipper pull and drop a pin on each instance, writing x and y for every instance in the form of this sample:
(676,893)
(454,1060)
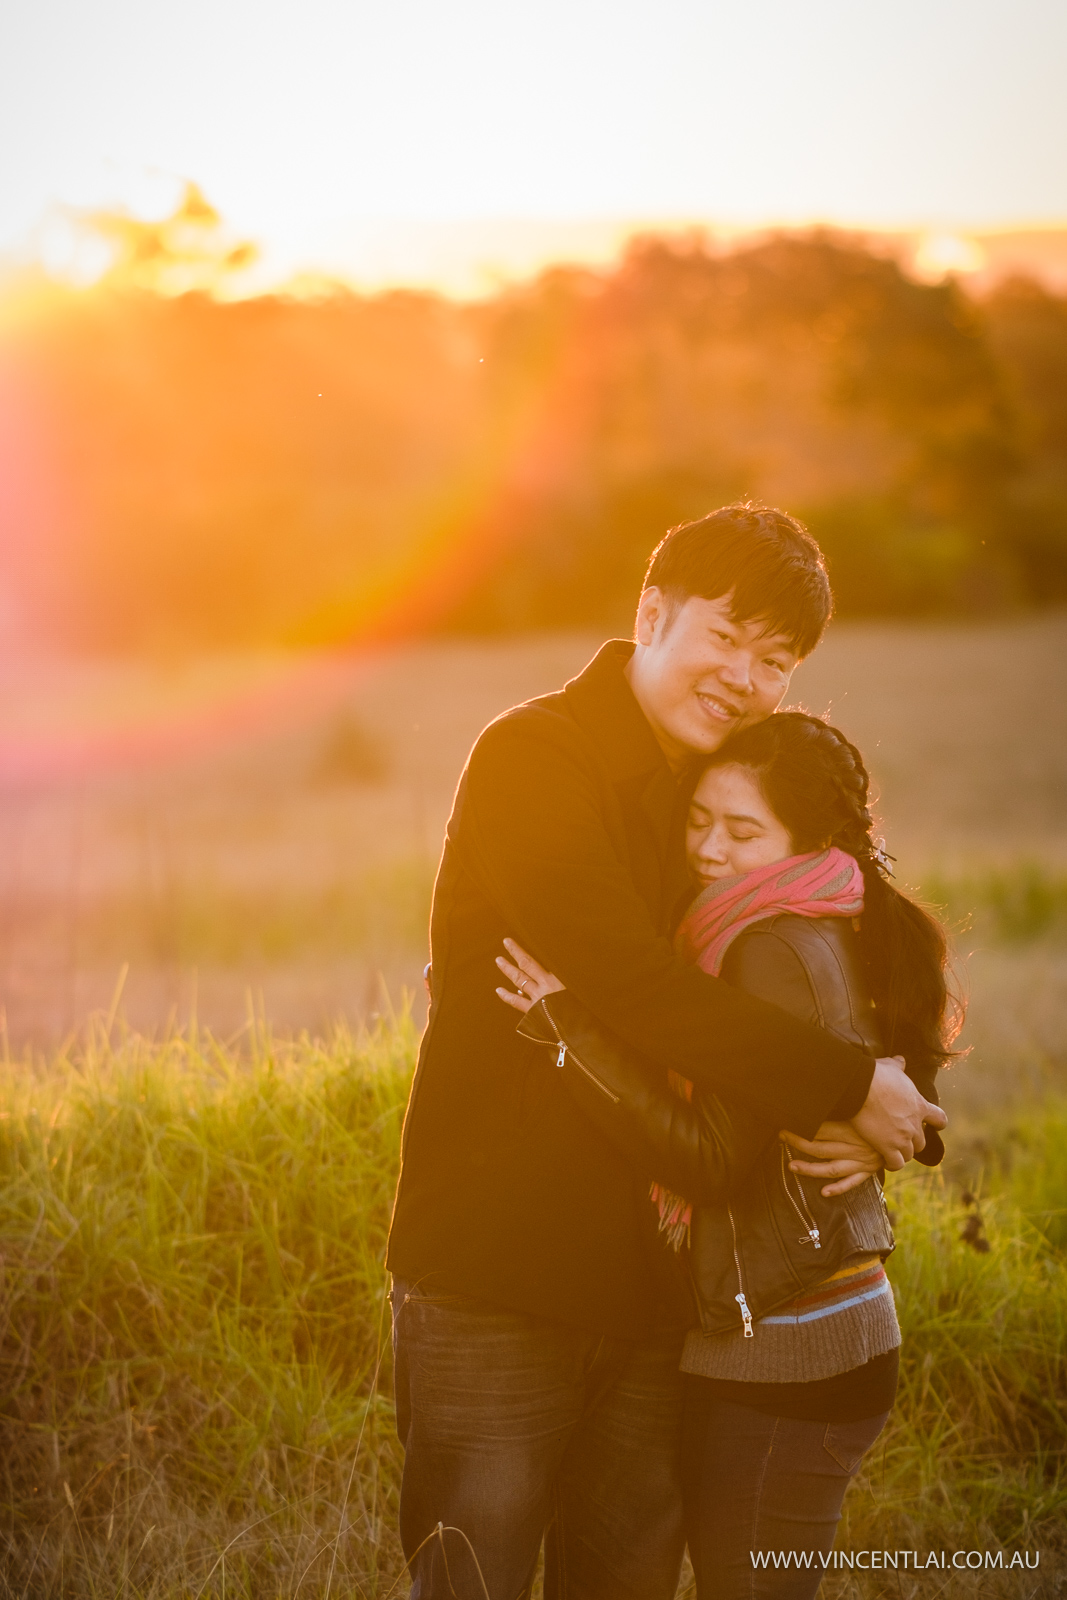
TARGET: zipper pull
(746,1315)
(811,1237)
(561,1055)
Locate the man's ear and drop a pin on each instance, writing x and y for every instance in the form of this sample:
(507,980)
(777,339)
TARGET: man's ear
(654,611)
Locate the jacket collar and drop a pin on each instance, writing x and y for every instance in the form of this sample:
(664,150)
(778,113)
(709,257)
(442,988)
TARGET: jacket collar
(602,701)
(603,704)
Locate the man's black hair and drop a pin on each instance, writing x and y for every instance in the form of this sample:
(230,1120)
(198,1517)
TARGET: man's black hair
(766,561)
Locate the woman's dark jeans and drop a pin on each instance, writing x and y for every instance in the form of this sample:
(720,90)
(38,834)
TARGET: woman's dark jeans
(759,1488)
(517,1428)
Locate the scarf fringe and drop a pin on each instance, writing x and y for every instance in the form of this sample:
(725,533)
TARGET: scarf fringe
(675,1215)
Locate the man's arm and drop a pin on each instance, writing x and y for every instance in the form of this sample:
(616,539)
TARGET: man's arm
(701,1149)
(533,832)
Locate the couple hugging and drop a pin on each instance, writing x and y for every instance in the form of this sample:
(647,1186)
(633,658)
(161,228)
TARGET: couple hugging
(638,1241)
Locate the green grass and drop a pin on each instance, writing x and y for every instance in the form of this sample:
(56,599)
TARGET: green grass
(975,1456)
(195,1333)
(1008,905)
(194,1319)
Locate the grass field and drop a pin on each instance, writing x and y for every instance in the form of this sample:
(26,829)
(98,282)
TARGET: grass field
(195,1334)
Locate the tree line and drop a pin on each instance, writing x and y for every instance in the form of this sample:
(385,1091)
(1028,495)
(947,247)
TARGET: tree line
(187,470)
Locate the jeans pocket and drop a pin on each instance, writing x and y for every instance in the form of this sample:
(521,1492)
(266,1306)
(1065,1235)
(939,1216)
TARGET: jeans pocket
(848,1442)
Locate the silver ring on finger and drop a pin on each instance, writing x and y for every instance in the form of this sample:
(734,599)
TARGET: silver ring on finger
(522,987)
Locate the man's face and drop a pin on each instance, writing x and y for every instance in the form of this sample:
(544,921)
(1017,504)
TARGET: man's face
(699,676)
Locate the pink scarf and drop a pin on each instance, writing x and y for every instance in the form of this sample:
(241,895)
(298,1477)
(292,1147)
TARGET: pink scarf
(825,883)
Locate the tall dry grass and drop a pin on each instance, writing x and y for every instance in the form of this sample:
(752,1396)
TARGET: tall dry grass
(195,1335)
(975,1455)
(194,1317)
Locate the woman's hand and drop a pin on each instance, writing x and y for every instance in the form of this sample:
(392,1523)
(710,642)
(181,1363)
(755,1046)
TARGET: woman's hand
(529,977)
(837,1152)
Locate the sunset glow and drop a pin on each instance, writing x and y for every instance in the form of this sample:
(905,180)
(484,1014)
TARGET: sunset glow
(193,463)
(322,131)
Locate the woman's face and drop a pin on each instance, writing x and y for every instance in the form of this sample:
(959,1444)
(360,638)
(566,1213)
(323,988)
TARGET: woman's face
(731,828)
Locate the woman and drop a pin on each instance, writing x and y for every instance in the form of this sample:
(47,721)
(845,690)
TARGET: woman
(792,1372)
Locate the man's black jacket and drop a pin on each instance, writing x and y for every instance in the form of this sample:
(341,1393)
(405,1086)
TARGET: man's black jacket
(565,835)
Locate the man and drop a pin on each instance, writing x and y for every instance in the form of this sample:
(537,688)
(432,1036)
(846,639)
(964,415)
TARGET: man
(537,1320)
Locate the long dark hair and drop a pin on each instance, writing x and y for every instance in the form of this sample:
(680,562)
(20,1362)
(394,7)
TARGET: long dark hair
(815,782)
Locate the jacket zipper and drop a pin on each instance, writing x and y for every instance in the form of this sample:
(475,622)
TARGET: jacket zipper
(561,1056)
(746,1315)
(811,1229)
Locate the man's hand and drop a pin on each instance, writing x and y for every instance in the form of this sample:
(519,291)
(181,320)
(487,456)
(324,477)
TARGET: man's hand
(892,1116)
(837,1152)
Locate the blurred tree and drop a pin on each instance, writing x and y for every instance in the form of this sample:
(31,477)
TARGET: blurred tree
(189,250)
(194,471)
(349,754)
(804,370)
(1028,334)
(228,467)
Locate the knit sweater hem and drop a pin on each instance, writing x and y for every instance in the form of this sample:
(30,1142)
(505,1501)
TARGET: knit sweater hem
(798,1352)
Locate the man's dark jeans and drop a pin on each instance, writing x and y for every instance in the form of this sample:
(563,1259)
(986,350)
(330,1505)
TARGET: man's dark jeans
(516,1427)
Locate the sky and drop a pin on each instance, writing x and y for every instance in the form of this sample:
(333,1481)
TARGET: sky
(318,126)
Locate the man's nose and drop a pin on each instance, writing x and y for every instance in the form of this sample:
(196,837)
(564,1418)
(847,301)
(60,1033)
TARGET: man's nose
(737,672)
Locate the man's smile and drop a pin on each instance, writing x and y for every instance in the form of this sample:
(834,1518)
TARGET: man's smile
(717,708)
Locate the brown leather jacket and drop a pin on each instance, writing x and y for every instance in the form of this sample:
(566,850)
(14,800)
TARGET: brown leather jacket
(760,1234)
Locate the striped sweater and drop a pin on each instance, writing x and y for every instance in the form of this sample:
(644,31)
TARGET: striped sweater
(842,1323)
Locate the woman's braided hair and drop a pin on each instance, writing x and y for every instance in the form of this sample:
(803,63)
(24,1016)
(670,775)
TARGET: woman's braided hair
(816,783)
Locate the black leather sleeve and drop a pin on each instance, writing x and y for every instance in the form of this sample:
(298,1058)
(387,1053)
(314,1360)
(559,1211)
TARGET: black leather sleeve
(703,1148)
(809,969)
(700,1149)
(764,963)
(933,1152)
